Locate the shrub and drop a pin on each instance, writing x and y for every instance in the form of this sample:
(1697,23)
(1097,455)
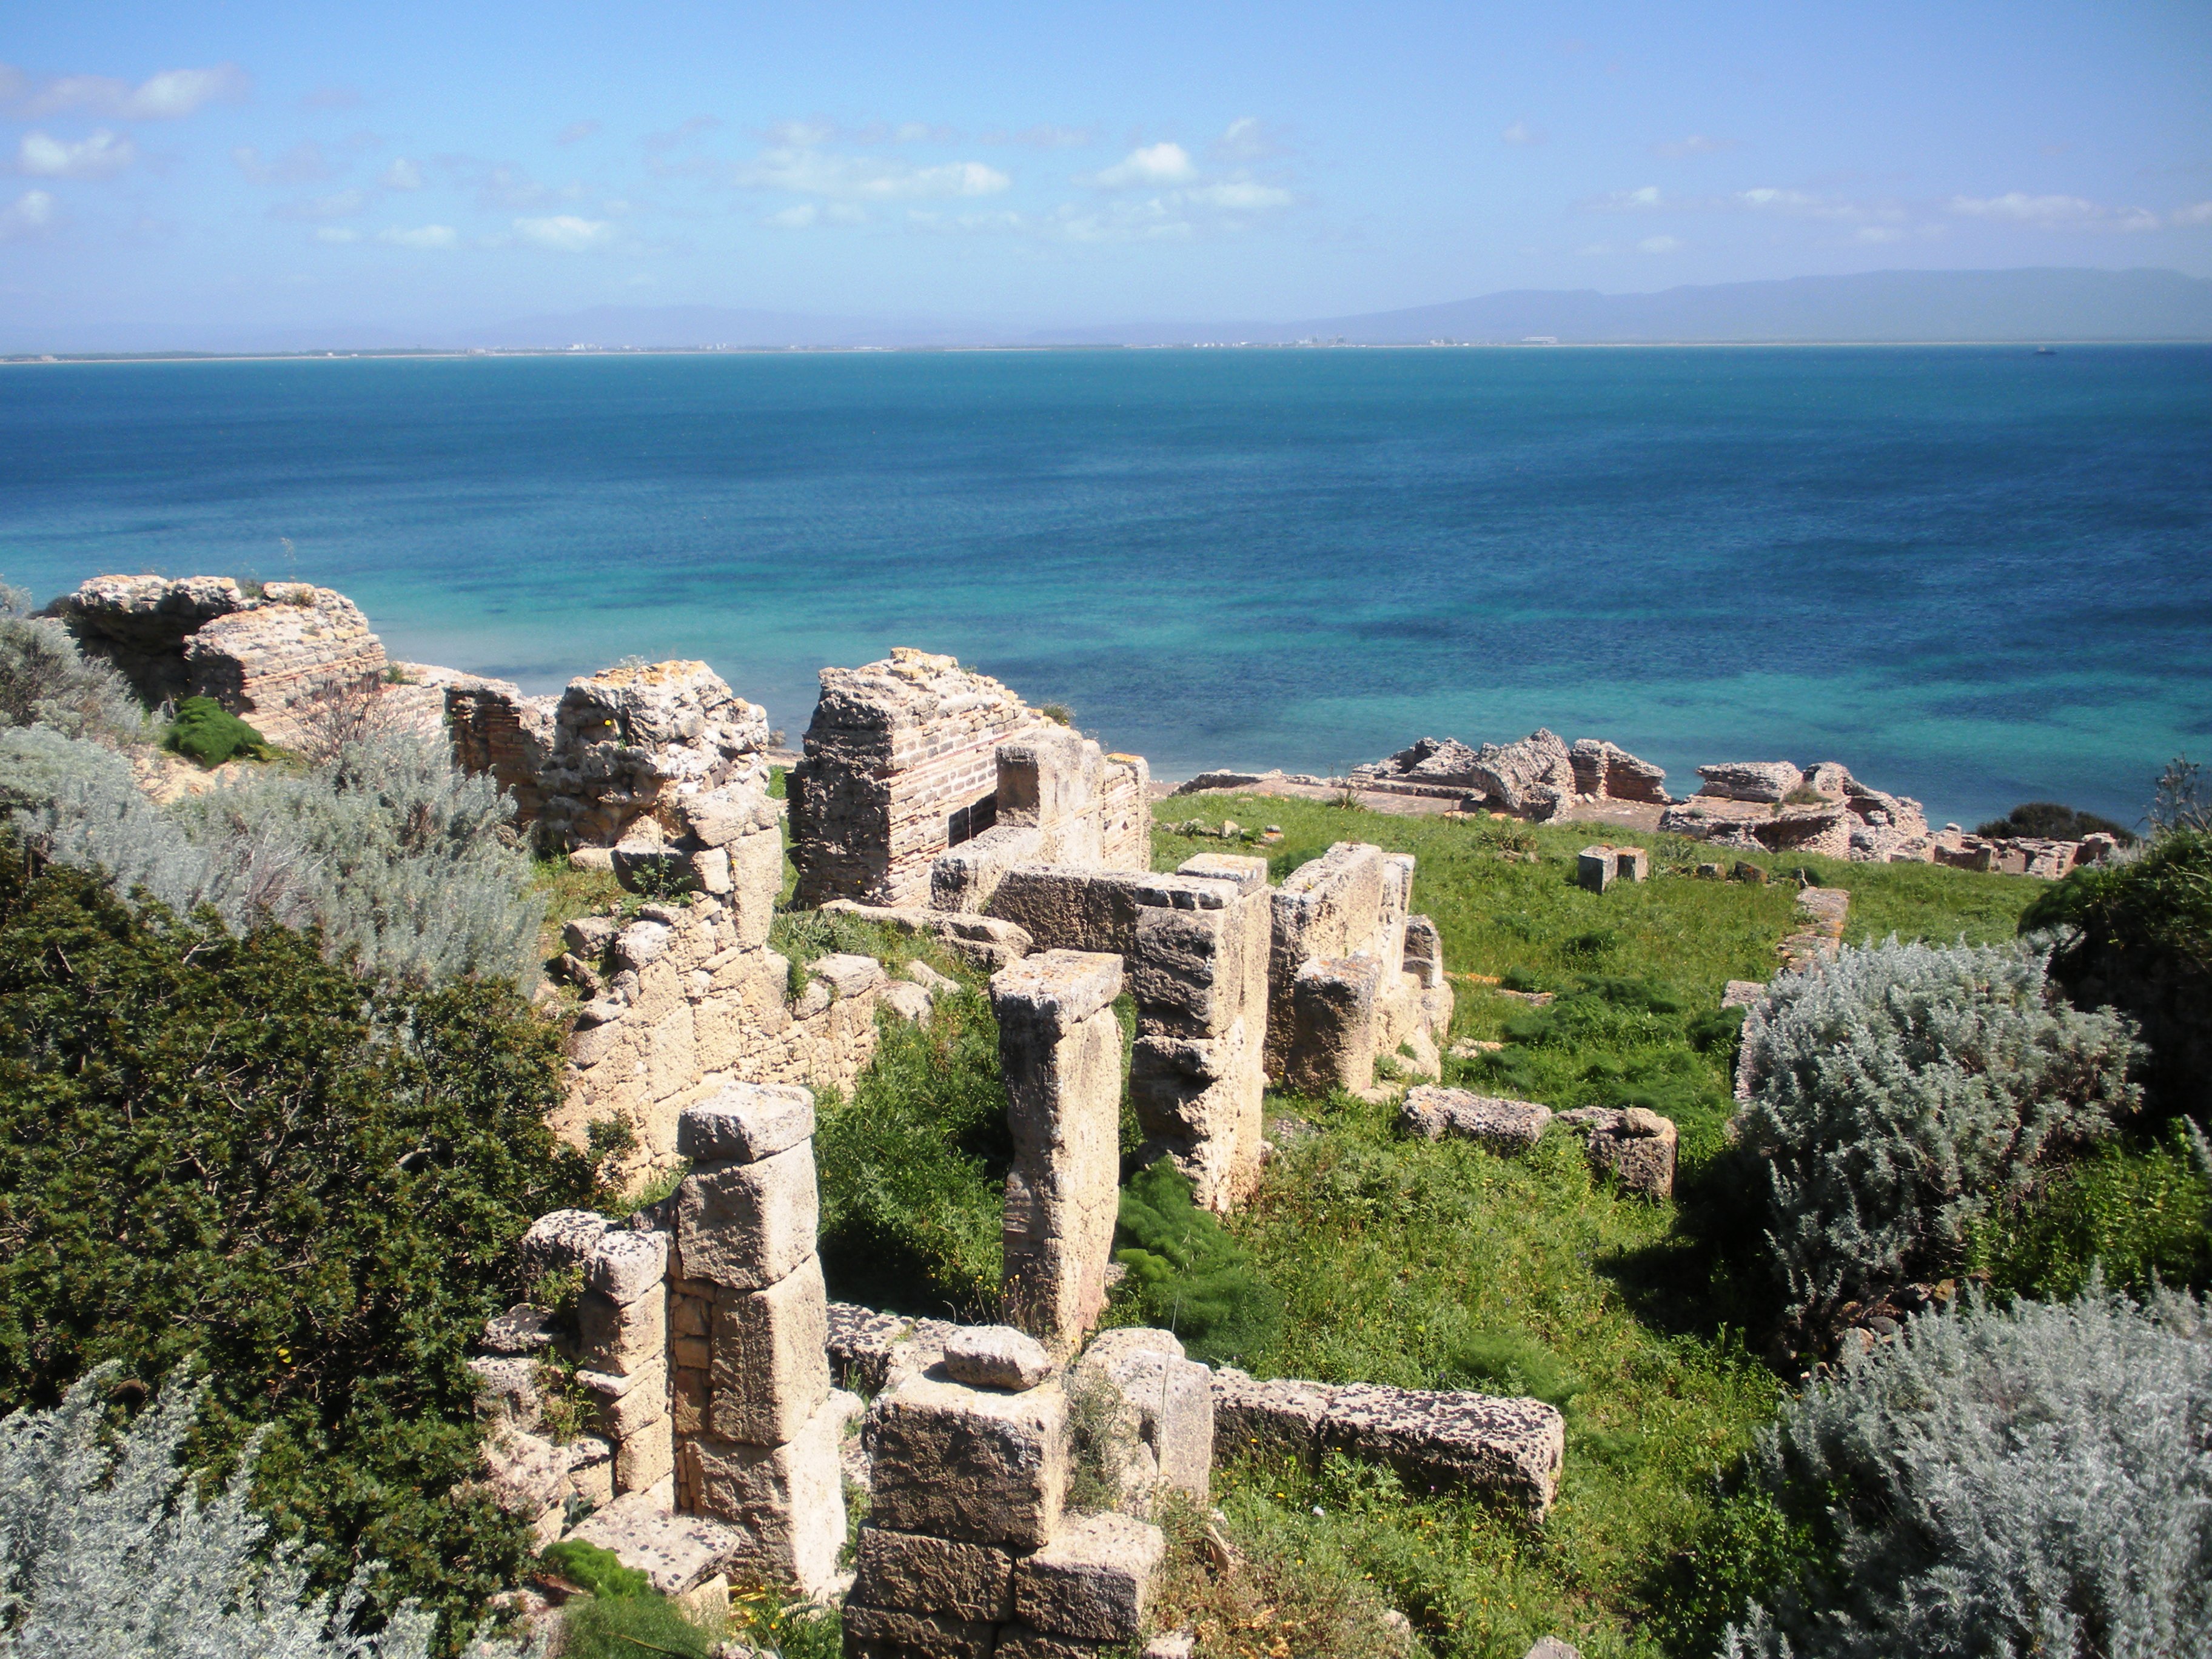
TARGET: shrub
(2003,1482)
(2048,820)
(114,1551)
(589,1567)
(2138,936)
(1899,1090)
(2142,1216)
(226,1149)
(1188,1275)
(46,681)
(206,731)
(77,802)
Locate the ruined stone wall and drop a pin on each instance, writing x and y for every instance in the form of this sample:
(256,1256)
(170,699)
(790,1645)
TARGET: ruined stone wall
(498,732)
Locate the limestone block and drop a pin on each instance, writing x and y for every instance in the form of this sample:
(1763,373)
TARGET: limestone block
(624,1265)
(1279,1415)
(591,1471)
(646,1457)
(1631,864)
(626,1400)
(1595,868)
(622,1337)
(1425,952)
(873,1632)
(937,984)
(1060,1048)
(967,878)
(1505,1126)
(1169,1404)
(1549,1647)
(1635,1146)
(676,1552)
(1332,1040)
(872,1350)
(521,1329)
(1174,963)
(524,1471)
(756,882)
(745,1226)
(997,1356)
(1513,1448)
(1027,1642)
(561,1239)
(973,1464)
(706,1604)
(1095,1579)
(770,1369)
(688,1314)
(590,936)
(789,1500)
(847,976)
(1759,781)
(915,1573)
(1248,875)
(690,1392)
(745,1122)
(507,1389)
(910,1002)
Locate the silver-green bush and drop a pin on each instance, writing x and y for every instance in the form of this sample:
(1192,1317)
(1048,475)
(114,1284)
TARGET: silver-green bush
(405,863)
(1901,1089)
(2035,1480)
(112,1554)
(46,681)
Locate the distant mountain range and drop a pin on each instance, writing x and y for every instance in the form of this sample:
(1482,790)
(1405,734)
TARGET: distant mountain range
(2031,304)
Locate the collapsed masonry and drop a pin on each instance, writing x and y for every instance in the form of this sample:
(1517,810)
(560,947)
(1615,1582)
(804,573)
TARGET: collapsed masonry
(1539,777)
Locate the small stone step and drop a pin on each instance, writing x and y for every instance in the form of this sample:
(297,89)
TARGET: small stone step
(677,1553)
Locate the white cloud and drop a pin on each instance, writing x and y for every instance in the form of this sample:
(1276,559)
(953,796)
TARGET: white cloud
(801,135)
(1155,164)
(1696,145)
(1245,139)
(1045,136)
(169,96)
(2199,213)
(921,133)
(296,166)
(2052,212)
(575,132)
(1878,233)
(1659,245)
(29,213)
(1646,200)
(1521,135)
(422,236)
(812,172)
(1237,197)
(343,204)
(796,218)
(338,234)
(402,174)
(44,157)
(565,233)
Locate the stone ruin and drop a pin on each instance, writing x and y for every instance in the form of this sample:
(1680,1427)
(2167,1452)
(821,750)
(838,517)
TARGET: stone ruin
(1596,868)
(908,758)
(1540,777)
(271,655)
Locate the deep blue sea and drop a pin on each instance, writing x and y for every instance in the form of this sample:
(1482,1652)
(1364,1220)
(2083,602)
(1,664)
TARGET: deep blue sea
(1975,575)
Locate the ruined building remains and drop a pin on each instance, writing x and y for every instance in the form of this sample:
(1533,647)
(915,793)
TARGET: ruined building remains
(1538,777)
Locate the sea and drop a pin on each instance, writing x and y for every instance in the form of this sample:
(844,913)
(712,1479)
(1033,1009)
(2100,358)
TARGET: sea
(1977,575)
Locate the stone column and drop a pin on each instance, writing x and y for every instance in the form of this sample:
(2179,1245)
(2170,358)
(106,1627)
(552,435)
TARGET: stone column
(623,1327)
(756,1429)
(1060,1047)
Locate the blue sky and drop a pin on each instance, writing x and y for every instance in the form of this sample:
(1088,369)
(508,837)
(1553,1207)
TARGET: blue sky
(417,167)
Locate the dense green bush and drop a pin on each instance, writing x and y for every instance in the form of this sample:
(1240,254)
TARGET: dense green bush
(228,1150)
(1900,1090)
(1186,1275)
(206,731)
(2002,1482)
(44,680)
(406,865)
(2142,1215)
(2048,820)
(2138,936)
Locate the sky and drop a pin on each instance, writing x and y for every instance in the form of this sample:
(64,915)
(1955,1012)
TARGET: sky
(186,170)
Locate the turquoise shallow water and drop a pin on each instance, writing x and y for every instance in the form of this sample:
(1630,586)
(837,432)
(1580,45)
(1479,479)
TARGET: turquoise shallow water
(1974,575)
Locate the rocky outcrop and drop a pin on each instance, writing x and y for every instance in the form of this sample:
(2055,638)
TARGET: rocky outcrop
(270,655)
(1536,777)
(1636,1147)
(1604,771)
(1431,1113)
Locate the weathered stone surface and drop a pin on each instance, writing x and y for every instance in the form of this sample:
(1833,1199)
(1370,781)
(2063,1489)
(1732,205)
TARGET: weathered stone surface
(1060,1048)
(506,1387)
(1594,868)
(1094,1580)
(1507,1126)
(728,813)
(1280,1414)
(626,1400)
(1333,1042)
(524,1472)
(1083,907)
(624,1265)
(622,1337)
(873,1632)
(786,1500)
(1759,781)
(745,1122)
(868,1349)
(1425,952)
(909,1001)
(974,1464)
(591,1471)
(676,1552)
(522,1329)
(770,1366)
(1607,772)
(1019,1641)
(1248,875)
(561,1240)
(645,1458)
(745,1226)
(1513,1448)
(938,985)
(916,1573)
(1164,1431)
(996,1356)
(1635,1146)
(1549,1647)
(1535,776)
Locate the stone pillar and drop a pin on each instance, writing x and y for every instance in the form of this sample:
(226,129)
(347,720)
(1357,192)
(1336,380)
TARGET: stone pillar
(1060,1047)
(1333,1006)
(756,1428)
(1595,868)
(622,1331)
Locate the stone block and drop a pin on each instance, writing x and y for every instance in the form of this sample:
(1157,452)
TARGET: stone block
(1167,1403)
(507,1389)
(1512,1448)
(1094,1580)
(756,882)
(1595,868)
(591,1471)
(1279,1415)
(646,1457)
(1505,1126)
(872,1633)
(787,1501)
(1028,1642)
(1759,781)
(1247,875)
(690,1393)
(561,1240)
(972,1464)
(1636,1147)
(1424,953)
(707,1605)
(1332,1038)
(744,1123)
(997,1356)
(1631,864)
(622,1337)
(624,1265)
(677,1553)
(917,1573)
(744,1226)
(627,1401)
(910,1002)
(771,1369)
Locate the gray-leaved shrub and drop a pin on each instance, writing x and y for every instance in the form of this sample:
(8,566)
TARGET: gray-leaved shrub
(112,1554)
(406,864)
(1901,1089)
(46,681)
(2001,1482)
